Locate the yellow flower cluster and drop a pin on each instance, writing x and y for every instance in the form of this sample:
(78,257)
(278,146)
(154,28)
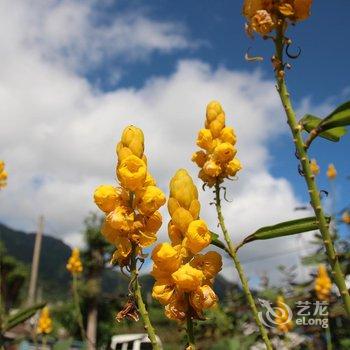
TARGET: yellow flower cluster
(184,278)
(263,15)
(283,322)
(323,284)
(74,264)
(44,323)
(3,175)
(217,157)
(331,172)
(132,216)
(315,169)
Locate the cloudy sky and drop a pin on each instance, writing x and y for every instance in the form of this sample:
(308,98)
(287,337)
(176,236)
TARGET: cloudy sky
(73,74)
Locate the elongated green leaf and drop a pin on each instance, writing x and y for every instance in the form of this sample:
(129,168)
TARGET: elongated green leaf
(284,229)
(21,316)
(339,117)
(311,122)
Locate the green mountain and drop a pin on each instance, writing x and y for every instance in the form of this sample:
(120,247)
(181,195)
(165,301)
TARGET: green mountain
(54,279)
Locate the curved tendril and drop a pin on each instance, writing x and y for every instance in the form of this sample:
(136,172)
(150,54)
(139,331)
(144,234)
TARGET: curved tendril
(252,58)
(324,192)
(225,193)
(292,56)
(203,186)
(300,171)
(296,154)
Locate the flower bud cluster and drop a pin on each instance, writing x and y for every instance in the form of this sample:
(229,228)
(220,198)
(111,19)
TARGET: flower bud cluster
(283,319)
(44,323)
(3,175)
(331,172)
(184,277)
(74,264)
(323,284)
(131,209)
(263,15)
(217,157)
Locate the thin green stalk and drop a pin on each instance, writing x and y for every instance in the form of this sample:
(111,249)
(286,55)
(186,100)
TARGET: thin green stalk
(190,334)
(329,337)
(314,193)
(77,308)
(139,301)
(239,268)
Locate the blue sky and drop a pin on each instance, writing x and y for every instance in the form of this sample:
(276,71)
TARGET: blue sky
(75,73)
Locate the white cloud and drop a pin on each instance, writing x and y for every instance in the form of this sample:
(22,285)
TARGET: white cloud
(58,134)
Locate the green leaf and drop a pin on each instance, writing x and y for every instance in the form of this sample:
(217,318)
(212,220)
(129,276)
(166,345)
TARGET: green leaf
(21,316)
(311,122)
(339,117)
(282,229)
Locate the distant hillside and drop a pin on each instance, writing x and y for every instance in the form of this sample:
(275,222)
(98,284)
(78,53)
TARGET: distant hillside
(53,276)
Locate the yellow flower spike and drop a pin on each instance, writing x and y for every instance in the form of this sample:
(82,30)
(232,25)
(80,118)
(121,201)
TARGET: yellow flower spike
(203,298)
(323,284)
(132,137)
(183,189)
(199,157)
(205,139)
(105,197)
(44,323)
(213,109)
(282,321)
(331,172)
(166,257)
(315,169)
(163,292)
(132,173)
(210,263)
(74,264)
(121,218)
(224,152)
(149,199)
(177,309)
(188,278)
(198,236)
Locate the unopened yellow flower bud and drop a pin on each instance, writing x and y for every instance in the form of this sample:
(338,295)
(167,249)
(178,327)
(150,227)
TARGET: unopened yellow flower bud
(123,152)
(205,139)
(182,218)
(105,197)
(183,189)
(323,284)
(166,257)
(203,298)
(132,137)
(188,278)
(233,167)
(214,108)
(346,217)
(224,152)
(198,236)
(228,135)
(331,172)
(315,169)
(132,172)
(149,199)
(163,292)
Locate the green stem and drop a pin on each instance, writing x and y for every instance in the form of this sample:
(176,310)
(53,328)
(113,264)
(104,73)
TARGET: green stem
(329,337)
(239,268)
(190,334)
(140,303)
(77,308)
(314,194)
